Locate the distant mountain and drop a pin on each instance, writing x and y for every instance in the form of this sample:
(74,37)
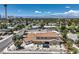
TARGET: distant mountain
(50,16)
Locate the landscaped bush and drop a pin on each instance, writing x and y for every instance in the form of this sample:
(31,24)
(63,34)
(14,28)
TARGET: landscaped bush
(74,50)
(18,43)
(62,28)
(69,46)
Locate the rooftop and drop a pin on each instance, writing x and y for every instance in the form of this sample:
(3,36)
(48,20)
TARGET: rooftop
(42,36)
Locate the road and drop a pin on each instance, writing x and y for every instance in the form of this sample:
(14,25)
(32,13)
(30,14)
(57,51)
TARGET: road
(5,42)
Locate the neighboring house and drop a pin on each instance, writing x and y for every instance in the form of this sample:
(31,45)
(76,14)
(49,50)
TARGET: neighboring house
(52,24)
(35,27)
(11,27)
(72,36)
(19,32)
(49,26)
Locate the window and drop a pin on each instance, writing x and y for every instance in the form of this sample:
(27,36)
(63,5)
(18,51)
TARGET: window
(44,37)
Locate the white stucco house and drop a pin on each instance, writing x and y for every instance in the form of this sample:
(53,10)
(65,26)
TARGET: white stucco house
(72,36)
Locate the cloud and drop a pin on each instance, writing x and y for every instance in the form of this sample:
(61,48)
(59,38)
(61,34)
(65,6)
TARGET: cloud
(70,12)
(43,12)
(57,13)
(38,12)
(48,12)
(67,7)
(19,10)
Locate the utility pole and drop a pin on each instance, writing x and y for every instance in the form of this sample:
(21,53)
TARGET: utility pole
(5,9)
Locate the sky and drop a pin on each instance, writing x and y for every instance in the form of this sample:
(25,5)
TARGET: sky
(49,10)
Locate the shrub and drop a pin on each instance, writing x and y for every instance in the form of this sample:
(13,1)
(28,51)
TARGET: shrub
(74,50)
(18,43)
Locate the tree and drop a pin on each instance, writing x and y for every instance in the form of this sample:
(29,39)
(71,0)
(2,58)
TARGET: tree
(42,26)
(74,50)
(20,26)
(62,28)
(69,44)
(69,23)
(18,43)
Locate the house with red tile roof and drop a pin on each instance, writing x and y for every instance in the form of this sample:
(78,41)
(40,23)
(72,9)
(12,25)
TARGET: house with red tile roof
(43,37)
